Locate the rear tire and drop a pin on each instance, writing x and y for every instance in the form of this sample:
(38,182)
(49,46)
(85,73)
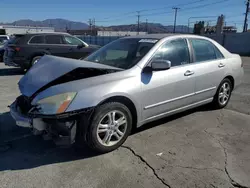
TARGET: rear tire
(109,127)
(223,94)
(35,60)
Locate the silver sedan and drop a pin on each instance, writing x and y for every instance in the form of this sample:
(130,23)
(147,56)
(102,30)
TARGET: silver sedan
(125,84)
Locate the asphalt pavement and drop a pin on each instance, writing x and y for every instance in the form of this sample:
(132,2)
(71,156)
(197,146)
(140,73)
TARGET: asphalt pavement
(198,148)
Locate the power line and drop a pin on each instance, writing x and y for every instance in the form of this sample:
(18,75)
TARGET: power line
(148,10)
(168,12)
(175,15)
(182,4)
(187,9)
(201,6)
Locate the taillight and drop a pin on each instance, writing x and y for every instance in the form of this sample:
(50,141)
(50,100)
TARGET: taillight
(17,49)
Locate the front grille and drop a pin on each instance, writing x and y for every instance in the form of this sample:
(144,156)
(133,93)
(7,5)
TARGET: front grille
(24,103)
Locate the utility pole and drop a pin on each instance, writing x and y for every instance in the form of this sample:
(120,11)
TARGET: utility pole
(138,22)
(175,15)
(146,25)
(93,21)
(90,25)
(246,15)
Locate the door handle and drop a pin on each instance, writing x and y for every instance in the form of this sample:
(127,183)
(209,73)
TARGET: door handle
(221,65)
(188,73)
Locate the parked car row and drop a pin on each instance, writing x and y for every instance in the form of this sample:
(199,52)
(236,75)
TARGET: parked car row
(24,50)
(125,84)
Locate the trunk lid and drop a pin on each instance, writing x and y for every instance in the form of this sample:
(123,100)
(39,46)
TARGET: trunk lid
(49,68)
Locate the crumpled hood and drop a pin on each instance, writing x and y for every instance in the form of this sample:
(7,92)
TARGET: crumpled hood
(49,68)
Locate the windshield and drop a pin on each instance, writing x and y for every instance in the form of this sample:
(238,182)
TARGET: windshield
(122,53)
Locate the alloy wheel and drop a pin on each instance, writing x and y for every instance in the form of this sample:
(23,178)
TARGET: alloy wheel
(112,128)
(224,93)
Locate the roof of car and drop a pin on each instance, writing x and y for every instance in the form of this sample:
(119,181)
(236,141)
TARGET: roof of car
(164,35)
(48,33)
(153,36)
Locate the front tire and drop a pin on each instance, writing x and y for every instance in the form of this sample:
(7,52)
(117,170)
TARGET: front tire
(223,94)
(109,127)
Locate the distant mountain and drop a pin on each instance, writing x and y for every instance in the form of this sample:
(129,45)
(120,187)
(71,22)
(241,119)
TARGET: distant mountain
(58,24)
(150,27)
(62,25)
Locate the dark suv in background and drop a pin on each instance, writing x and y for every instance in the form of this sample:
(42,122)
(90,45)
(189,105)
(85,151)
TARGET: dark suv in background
(26,49)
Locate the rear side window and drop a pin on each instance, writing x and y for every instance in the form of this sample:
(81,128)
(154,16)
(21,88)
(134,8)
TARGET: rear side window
(204,50)
(37,40)
(54,39)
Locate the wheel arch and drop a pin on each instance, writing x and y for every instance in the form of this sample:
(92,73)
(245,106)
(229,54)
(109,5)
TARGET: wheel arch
(41,53)
(127,102)
(231,78)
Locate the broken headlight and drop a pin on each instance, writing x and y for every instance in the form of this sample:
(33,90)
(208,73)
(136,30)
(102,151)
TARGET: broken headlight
(55,104)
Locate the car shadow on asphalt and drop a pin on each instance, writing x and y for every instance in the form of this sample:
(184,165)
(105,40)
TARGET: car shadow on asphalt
(172,118)
(11,72)
(19,149)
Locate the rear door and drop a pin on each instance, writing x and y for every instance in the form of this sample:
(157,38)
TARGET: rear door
(209,67)
(78,48)
(55,45)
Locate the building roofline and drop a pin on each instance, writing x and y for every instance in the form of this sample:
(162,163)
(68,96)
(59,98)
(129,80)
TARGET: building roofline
(32,27)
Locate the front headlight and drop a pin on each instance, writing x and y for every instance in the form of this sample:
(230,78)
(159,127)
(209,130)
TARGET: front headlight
(55,104)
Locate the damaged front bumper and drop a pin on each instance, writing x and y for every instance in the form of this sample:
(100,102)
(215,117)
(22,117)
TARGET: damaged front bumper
(21,119)
(60,128)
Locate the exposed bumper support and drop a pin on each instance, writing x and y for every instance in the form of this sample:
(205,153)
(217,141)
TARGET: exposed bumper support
(21,120)
(61,128)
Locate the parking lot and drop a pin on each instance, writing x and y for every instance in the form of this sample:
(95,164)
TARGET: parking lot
(198,148)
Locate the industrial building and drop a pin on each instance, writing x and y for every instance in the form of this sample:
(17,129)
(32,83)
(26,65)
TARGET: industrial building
(119,33)
(11,29)
(95,32)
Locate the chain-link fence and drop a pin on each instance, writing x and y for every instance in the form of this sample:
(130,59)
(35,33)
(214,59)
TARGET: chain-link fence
(98,40)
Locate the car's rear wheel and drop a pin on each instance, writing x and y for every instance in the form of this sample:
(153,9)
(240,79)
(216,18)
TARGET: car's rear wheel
(223,94)
(110,126)
(35,60)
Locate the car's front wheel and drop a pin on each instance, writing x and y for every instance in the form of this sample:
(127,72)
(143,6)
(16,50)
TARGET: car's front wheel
(223,94)
(110,126)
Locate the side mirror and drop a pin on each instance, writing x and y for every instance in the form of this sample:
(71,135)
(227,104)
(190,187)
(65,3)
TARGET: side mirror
(158,65)
(80,46)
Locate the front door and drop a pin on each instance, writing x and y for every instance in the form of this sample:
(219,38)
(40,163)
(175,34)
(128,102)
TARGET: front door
(77,48)
(169,90)
(55,45)
(209,68)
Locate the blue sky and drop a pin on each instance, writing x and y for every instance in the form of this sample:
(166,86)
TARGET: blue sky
(112,12)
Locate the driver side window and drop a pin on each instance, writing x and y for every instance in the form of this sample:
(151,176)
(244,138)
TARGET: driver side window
(72,40)
(175,51)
